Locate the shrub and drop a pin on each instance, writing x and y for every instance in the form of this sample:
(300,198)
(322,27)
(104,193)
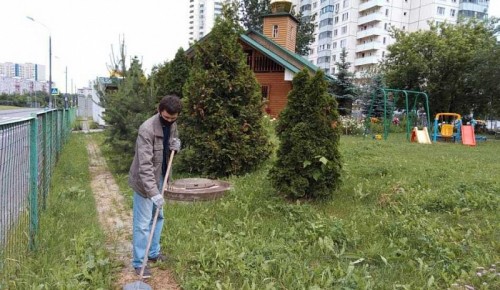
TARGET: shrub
(308,159)
(351,126)
(222,119)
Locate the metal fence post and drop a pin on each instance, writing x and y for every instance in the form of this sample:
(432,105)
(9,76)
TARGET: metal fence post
(33,179)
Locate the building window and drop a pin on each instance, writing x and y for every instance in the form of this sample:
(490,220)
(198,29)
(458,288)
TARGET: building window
(386,12)
(346,3)
(335,32)
(440,10)
(345,16)
(264,89)
(452,12)
(344,29)
(275,31)
(383,41)
(334,45)
(342,43)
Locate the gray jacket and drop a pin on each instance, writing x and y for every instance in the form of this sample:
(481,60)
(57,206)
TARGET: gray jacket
(145,171)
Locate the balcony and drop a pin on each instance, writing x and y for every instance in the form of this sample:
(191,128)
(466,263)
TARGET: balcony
(370,4)
(366,60)
(377,16)
(369,46)
(370,32)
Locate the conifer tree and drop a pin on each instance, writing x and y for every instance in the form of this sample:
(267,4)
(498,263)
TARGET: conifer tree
(344,87)
(221,124)
(170,77)
(126,109)
(308,161)
(374,97)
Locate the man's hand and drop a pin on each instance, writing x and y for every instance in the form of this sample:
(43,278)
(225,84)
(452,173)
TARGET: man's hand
(175,144)
(158,200)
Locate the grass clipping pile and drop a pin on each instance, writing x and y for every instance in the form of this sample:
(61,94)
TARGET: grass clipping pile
(116,221)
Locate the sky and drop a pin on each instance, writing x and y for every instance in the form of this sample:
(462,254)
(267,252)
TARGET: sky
(85,33)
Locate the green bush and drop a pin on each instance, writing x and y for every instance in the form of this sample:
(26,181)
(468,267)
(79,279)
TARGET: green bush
(222,122)
(308,160)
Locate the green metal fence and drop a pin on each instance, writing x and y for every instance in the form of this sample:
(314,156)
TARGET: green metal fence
(28,152)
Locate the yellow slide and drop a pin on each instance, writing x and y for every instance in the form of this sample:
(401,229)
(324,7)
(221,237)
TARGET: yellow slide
(420,136)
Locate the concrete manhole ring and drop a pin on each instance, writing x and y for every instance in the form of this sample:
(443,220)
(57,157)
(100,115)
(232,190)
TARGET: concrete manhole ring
(196,189)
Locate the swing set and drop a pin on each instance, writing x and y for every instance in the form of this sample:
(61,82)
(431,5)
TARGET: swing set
(391,98)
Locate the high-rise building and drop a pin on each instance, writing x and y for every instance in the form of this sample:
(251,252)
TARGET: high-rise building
(16,78)
(29,71)
(362,26)
(202,15)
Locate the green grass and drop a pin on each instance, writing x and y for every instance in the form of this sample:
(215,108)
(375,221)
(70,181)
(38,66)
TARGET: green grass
(408,216)
(8,107)
(70,250)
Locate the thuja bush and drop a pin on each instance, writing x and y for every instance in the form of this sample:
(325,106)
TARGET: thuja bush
(308,160)
(221,126)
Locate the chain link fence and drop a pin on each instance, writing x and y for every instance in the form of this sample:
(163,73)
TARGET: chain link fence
(28,151)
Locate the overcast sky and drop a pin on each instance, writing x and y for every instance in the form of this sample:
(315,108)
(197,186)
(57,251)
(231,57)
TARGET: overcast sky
(83,32)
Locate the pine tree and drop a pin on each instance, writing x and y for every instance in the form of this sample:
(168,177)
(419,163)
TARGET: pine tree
(308,161)
(344,87)
(222,117)
(126,109)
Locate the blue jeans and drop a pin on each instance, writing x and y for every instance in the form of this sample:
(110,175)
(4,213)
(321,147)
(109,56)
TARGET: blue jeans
(144,212)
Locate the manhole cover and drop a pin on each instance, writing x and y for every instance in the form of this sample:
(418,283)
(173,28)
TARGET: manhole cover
(196,189)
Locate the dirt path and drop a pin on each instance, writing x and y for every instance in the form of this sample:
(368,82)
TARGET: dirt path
(116,220)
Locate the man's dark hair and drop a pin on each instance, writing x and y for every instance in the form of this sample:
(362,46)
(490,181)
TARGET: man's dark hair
(170,103)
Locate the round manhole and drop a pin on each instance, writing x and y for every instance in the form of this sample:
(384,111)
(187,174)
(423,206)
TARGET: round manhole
(196,189)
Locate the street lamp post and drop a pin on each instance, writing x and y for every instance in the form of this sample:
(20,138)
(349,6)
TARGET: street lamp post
(50,58)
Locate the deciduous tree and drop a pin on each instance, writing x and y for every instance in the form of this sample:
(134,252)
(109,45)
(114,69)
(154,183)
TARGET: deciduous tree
(437,61)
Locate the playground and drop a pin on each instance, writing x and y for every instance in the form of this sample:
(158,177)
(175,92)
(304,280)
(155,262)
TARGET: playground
(446,127)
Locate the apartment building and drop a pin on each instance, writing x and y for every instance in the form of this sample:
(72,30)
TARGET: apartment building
(362,26)
(16,78)
(29,71)
(202,15)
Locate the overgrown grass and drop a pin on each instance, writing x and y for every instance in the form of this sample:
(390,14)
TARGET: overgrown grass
(70,250)
(408,216)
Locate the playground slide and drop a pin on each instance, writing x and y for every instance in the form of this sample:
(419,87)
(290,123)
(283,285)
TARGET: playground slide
(420,136)
(468,136)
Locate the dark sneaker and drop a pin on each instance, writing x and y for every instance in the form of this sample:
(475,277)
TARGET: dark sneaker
(146,274)
(160,258)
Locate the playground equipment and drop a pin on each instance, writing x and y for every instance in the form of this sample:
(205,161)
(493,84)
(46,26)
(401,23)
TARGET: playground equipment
(390,98)
(420,136)
(452,129)
(444,127)
(468,136)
